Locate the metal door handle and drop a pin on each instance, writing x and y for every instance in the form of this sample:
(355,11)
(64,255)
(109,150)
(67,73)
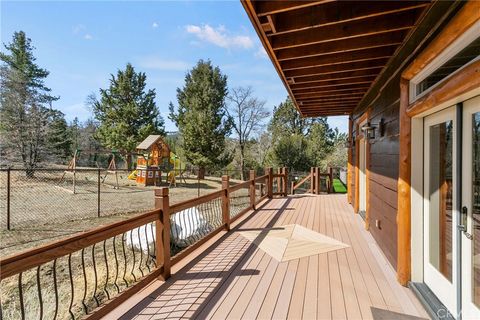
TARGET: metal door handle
(463,223)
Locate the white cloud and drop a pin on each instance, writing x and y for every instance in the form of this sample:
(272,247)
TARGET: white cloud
(155,25)
(88,36)
(261,53)
(78,28)
(220,36)
(154,62)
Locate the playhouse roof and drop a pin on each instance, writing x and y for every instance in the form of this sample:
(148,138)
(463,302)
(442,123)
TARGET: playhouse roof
(148,142)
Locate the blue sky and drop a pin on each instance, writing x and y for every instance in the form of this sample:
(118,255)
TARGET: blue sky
(82,43)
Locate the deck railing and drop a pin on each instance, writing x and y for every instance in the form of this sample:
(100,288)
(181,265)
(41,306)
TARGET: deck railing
(316,179)
(90,273)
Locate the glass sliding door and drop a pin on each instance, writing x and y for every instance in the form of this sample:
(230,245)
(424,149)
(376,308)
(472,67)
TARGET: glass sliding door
(439,196)
(470,239)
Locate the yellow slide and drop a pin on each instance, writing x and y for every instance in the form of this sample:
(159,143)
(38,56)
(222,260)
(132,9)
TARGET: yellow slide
(132,175)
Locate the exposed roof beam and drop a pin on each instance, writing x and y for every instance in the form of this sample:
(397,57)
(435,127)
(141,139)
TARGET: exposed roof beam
(331,83)
(345,30)
(331,99)
(327,105)
(263,8)
(339,58)
(341,11)
(318,93)
(363,42)
(333,95)
(333,87)
(337,76)
(330,69)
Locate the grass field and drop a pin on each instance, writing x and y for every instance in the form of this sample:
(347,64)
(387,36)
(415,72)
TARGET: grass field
(338,186)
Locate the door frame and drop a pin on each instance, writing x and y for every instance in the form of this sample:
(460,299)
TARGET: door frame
(359,135)
(443,288)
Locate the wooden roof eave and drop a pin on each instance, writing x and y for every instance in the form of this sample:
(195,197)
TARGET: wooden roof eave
(248,6)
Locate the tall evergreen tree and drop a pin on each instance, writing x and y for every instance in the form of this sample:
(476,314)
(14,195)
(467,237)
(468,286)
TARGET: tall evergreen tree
(59,138)
(201,117)
(126,112)
(25,109)
(286,120)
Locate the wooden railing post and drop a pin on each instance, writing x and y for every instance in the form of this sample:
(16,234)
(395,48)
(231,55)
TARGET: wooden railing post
(285,181)
(292,187)
(162,231)
(317,180)
(330,175)
(312,180)
(226,202)
(252,189)
(270,183)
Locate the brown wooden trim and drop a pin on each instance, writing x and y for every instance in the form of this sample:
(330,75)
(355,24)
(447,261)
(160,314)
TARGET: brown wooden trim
(349,164)
(466,79)
(367,184)
(264,8)
(463,20)
(403,193)
(195,202)
(33,257)
(337,68)
(110,305)
(356,204)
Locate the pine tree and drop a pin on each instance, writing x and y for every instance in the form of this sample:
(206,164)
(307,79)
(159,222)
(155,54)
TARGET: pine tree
(201,117)
(59,138)
(25,110)
(126,112)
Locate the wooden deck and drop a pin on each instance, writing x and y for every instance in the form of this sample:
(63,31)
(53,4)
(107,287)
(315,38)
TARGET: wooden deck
(229,277)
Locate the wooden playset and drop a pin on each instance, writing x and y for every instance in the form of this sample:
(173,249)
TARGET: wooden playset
(152,153)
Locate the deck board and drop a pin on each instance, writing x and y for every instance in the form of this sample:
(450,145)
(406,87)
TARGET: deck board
(232,278)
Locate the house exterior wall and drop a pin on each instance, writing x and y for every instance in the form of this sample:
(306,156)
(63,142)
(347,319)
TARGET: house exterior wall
(383,102)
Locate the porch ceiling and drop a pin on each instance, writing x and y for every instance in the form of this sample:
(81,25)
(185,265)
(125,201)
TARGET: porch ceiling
(328,53)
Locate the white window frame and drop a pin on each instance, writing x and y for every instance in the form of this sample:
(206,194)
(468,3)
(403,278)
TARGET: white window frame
(454,48)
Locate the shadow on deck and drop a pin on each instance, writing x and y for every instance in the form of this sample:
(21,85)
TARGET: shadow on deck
(230,277)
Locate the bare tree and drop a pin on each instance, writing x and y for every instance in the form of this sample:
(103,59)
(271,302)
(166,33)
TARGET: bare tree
(249,115)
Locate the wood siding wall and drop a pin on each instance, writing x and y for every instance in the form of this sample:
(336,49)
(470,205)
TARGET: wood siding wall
(383,167)
(383,101)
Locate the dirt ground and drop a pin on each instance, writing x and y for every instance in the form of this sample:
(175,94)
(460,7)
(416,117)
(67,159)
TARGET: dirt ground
(42,209)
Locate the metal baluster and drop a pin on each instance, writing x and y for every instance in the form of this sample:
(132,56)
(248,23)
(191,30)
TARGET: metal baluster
(106,267)
(85,308)
(124,260)
(55,287)
(39,290)
(154,245)
(116,263)
(71,285)
(20,295)
(141,252)
(133,254)
(147,262)
(95,275)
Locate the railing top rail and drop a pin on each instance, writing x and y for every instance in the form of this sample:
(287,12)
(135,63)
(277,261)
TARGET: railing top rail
(26,260)
(241,185)
(278,175)
(265,176)
(187,204)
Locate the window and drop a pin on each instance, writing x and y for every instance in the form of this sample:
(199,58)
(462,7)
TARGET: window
(460,53)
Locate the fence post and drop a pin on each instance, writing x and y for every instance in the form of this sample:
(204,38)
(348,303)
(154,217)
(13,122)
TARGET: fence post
(312,180)
(98,192)
(8,198)
(226,202)
(162,231)
(292,187)
(270,183)
(285,181)
(317,180)
(330,186)
(252,189)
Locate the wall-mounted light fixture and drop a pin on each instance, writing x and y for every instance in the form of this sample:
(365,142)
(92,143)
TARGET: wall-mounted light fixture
(369,130)
(349,143)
